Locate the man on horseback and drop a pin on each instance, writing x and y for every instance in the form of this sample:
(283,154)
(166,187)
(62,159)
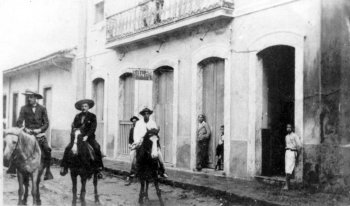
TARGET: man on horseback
(141,129)
(36,123)
(86,122)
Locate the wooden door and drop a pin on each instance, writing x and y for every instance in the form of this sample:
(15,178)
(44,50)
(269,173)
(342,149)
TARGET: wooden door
(48,105)
(213,101)
(164,111)
(4,111)
(127,105)
(14,109)
(98,96)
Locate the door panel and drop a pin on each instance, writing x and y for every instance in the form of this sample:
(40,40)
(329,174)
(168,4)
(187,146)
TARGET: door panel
(213,102)
(48,105)
(99,110)
(164,112)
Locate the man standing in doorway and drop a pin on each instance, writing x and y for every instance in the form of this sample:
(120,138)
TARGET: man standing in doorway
(203,136)
(293,148)
(133,119)
(36,123)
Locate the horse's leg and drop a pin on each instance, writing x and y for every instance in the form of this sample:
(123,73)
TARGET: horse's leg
(83,190)
(97,200)
(141,191)
(74,189)
(38,200)
(26,185)
(159,193)
(20,187)
(146,191)
(35,179)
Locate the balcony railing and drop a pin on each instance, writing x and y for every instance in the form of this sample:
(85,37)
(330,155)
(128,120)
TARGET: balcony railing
(155,13)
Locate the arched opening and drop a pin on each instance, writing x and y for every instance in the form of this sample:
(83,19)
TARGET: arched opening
(98,97)
(277,105)
(163,96)
(212,83)
(126,111)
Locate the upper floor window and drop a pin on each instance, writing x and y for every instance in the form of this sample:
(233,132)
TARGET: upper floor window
(99,12)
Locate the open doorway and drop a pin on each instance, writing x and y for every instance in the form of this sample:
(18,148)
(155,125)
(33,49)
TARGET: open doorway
(278,105)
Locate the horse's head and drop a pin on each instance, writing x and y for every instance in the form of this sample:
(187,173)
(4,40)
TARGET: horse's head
(11,138)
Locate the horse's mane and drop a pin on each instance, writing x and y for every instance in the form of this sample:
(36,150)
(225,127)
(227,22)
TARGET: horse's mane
(26,142)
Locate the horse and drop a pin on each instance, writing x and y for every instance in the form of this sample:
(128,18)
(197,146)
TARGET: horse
(24,152)
(81,163)
(147,166)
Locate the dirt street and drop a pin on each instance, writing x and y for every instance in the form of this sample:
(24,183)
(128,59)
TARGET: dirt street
(112,192)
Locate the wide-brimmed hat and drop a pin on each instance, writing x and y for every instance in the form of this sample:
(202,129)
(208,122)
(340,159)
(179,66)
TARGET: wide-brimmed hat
(90,102)
(146,110)
(134,117)
(31,93)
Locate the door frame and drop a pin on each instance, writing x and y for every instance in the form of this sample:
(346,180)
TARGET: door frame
(285,38)
(49,87)
(90,94)
(221,51)
(155,95)
(173,62)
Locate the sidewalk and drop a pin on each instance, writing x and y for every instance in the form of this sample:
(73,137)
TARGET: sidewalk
(248,192)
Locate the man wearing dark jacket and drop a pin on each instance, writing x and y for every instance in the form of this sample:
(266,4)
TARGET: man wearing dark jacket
(86,122)
(36,123)
(133,119)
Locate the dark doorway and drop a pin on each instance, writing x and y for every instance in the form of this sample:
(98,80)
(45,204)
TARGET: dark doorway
(278,82)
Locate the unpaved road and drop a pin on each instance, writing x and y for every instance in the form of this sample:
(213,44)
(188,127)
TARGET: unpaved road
(112,191)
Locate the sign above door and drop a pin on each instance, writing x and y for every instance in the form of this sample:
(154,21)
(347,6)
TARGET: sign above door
(142,73)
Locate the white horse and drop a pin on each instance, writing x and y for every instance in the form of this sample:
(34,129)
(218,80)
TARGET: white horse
(23,151)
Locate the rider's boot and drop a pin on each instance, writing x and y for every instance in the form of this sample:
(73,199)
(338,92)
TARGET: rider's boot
(12,169)
(162,170)
(99,173)
(48,174)
(63,171)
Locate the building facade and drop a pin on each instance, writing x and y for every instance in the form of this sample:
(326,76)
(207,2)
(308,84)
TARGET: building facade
(253,66)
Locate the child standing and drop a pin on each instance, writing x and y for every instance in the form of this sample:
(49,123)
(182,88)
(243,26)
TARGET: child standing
(220,151)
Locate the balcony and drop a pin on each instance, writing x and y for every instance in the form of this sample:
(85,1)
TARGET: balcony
(155,17)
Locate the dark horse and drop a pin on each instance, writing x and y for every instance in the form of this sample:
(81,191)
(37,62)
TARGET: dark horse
(23,151)
(147,166)
(81,163)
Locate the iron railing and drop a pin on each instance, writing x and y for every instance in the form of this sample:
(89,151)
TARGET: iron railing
(123,144)
(154,13)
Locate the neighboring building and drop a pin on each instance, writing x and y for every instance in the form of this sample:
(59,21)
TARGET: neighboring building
(53,77)
(251,65)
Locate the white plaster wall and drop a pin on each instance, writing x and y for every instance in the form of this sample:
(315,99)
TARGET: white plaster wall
(63,96)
